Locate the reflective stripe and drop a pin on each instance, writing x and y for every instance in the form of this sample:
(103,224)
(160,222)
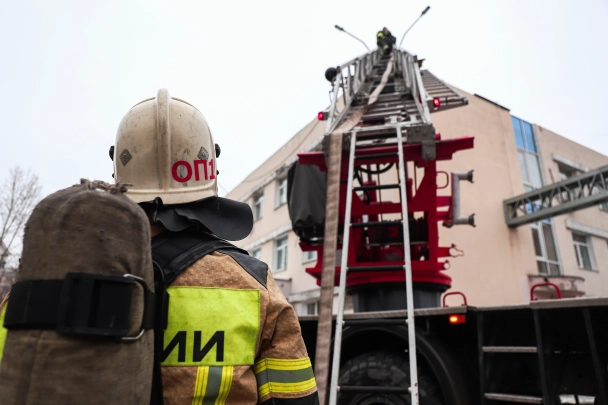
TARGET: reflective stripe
(281,364)
(212,385)
(3,332)
(211,327)
(227,373)
(200,386)
(283,376)
(286,388)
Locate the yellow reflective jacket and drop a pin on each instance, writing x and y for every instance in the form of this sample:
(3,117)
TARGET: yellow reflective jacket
(232,339)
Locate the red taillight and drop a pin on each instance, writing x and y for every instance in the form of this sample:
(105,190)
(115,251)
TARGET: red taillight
(436,102)
(322,116)
(457,318)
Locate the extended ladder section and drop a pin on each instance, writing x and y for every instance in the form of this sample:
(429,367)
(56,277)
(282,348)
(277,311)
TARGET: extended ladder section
(575,193)
(380,115)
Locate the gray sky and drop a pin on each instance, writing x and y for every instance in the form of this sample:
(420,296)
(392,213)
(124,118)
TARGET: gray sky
(69,70)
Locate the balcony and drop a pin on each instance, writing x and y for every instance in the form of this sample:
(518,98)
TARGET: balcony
(570,286)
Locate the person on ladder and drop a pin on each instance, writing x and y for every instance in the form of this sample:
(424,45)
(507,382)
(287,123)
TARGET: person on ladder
(229,335)
(385,40)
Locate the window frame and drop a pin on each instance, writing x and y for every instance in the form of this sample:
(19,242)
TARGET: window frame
(531,156)
(258,200)
(307,259)
(281,184)
(529,153)
(544,257)
(284,248)
(577,249)
(566,172)
(315,305)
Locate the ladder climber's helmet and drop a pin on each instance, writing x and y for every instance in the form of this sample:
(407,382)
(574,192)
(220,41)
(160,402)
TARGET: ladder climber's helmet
(165,150)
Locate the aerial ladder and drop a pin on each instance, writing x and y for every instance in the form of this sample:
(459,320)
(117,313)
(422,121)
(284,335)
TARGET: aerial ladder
(379,242)
(380,117)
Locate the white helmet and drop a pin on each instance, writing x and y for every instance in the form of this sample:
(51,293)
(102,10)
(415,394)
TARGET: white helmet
(164,148)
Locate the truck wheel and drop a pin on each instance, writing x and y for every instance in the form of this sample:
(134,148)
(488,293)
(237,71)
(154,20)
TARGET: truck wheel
(385,369)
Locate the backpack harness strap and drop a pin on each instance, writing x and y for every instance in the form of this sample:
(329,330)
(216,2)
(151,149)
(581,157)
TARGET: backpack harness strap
(80,304)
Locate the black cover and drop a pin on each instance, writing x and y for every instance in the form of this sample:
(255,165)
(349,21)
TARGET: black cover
(228,219)
(174,252)
(306,189)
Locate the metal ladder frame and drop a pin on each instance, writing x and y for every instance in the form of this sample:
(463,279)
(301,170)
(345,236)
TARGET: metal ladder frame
(352,79)
(335,369)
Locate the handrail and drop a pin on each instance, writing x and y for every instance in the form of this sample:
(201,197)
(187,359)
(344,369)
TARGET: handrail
(559,292)
(408,65)
(350,78)
(464,298)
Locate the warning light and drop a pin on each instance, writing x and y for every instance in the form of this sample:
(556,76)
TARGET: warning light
(436,102)
(322,115)
(457,318)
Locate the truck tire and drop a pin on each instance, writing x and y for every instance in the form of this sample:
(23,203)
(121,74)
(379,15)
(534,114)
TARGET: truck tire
(385,369)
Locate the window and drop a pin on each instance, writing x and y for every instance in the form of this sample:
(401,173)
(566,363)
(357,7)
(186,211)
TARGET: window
(257,253)
(527,153)
(565,171)
(582,249)
(281,194)
(309,256)
(544,247)
(529,163)
(258,206)
(312,308)
(280,253)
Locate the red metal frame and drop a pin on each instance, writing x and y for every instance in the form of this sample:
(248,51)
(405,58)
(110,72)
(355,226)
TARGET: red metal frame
(464,298)
(424,211)
(535,286)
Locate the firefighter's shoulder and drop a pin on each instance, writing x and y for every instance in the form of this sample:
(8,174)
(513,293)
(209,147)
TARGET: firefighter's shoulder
(231,267)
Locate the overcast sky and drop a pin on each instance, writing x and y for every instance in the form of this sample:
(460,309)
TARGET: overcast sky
(69,71)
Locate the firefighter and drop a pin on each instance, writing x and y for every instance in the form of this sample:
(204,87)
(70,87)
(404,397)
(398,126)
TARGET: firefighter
(385,40)
(230,336)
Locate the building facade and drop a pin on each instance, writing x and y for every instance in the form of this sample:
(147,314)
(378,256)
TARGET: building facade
(500,264)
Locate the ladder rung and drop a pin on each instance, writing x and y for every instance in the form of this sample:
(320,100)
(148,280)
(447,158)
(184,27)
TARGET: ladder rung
(382,114)
(522,399)
(399,106)
(509,349)
(368,224)
(376,156)
(374,390)
(372,137)
(370,128)
(373,322)
(380,187)
(365,269)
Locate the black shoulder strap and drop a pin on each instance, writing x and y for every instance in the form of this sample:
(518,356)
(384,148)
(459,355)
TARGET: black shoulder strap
(174,252)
